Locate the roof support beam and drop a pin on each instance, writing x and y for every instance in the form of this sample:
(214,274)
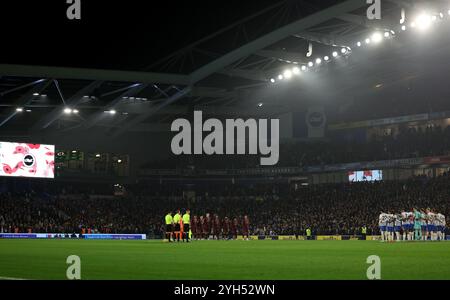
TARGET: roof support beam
(142,117)
(95,118)
(55,114)
(92,74)
(275,36)
(27,98)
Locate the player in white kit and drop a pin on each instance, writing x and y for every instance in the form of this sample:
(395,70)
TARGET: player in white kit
(382,222)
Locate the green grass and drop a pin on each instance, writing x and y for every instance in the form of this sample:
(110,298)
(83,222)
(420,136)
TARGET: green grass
(46,259)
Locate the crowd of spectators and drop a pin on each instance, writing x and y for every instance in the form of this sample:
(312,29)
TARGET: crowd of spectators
(277,209)
(409,142)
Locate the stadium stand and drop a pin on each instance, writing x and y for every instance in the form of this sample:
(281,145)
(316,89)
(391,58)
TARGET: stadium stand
(327,209)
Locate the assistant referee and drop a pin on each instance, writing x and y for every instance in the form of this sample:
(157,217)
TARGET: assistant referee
(186,223)
(169,226)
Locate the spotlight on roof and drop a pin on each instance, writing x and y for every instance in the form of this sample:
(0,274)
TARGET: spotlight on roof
(303,68)
(287,74)
(296,70)
(358,44)
(387,34)
(318,61)
(67,110)
(326,58)
(280,77)
(272,80)
(423,21)
(367,41)
(310,64)
(335,54)
(19,109)
(377,37)
(434,18)
(344,50)
(404,27)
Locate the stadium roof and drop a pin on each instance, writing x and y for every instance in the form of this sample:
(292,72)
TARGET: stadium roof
(229,72)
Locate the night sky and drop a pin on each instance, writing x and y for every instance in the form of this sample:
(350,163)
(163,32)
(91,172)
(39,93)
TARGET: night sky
(126,34)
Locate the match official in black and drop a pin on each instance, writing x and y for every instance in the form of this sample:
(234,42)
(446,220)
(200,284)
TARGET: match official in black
(186,223)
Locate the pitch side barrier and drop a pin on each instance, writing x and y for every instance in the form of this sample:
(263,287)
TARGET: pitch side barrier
(96,236)
(144,237)
(319,237)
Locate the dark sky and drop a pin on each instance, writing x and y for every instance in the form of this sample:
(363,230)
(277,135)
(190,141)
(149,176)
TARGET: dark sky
(122,34)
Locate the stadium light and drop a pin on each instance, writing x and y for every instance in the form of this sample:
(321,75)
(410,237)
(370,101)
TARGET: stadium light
(344,50)
(272,80)
(280,77)
(318,61)
(423,21)
(310,64)
(260,104)
(335,54)
(35,94)
(376,37)
(367,41)
(28,110)
(19,109)
(326,58)
(404,27)
(387,34)
(448,12)
(303,68)
(97,155)
(119,161)
(112,112)
(358,44)
(67,111)
(296,70)
(287,74)
(75,111)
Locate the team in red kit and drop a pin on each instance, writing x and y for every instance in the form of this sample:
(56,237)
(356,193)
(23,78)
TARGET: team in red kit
(213,227)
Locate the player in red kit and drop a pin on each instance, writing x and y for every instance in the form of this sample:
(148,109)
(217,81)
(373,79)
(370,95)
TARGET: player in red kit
(199,227)
(226,228)
(217,227)
(194,227)
(234,228)
(206,228)
(245,228)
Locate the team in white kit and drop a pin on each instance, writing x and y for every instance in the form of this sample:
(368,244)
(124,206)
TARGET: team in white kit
(417,225)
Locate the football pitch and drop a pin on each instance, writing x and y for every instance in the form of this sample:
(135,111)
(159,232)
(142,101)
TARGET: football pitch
(223,260)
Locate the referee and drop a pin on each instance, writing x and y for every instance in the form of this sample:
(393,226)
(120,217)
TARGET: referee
(176,222)
(169,226)
(186,223)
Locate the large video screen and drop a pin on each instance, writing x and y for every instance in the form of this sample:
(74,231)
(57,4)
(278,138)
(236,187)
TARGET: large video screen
(27,160)
(368,175)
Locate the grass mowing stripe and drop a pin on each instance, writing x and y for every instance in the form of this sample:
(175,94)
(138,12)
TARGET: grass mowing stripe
(46,259)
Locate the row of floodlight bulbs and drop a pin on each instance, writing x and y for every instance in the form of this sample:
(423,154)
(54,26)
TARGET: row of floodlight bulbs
(69,111)
(287,74)
(422,22)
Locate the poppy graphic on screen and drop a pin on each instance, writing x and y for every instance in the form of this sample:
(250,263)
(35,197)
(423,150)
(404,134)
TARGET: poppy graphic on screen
(27,160)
